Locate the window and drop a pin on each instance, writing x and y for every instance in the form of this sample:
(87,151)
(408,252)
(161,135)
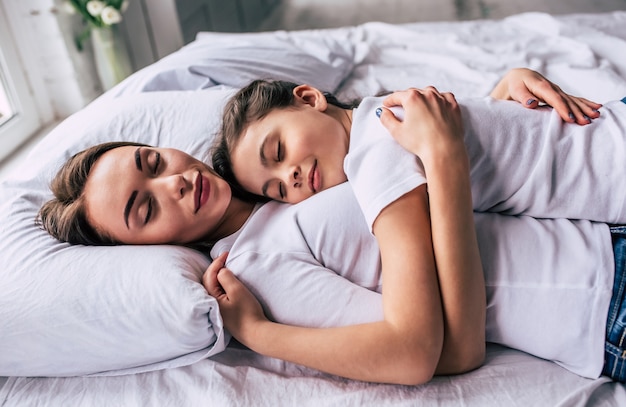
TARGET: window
(19,117)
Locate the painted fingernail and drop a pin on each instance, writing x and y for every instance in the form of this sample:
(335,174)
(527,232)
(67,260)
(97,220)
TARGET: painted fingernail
(587,118)
(571,116)
(379,111)
(530,101)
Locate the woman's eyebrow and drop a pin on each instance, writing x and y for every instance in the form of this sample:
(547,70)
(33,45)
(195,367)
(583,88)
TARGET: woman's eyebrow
(129,206)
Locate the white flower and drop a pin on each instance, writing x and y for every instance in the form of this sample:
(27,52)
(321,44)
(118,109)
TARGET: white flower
(110,15)
(95,7)
(68,8)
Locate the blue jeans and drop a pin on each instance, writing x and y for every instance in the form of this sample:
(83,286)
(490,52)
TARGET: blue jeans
(615,345)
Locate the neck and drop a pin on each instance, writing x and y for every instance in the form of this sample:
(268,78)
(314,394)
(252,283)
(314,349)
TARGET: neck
(237,213)
(344,116)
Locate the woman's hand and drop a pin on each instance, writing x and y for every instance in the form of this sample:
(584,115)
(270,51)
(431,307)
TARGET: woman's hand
(529,88)
(432,124)
(240,310)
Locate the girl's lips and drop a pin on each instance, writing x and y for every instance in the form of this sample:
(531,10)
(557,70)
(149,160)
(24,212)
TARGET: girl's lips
(314,178)
(202,192)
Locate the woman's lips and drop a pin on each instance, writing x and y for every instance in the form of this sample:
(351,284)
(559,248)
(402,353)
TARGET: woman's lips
(314,178)
(203,191)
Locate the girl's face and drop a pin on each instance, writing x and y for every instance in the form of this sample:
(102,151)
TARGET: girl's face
(293,153)
(144,195)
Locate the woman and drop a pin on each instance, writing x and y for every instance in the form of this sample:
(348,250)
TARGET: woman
(144,187)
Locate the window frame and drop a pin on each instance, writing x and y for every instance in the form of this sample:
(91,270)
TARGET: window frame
(27,119)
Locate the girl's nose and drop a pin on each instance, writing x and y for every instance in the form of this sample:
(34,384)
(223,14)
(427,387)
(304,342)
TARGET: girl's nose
(294,176)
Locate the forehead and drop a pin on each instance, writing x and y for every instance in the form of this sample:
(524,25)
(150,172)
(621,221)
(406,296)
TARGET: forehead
(111,175)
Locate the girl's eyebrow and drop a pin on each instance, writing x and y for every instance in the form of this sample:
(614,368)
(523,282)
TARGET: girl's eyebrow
(138,158)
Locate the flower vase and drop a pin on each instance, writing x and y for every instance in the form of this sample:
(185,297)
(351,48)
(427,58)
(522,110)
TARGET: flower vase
(110,55)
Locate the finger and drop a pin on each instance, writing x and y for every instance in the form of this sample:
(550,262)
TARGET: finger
(450,98)
(229,282)
(580,116)
(522,95)
(388,119)
(209,279)
(588,107)
(431,89)
(400,98)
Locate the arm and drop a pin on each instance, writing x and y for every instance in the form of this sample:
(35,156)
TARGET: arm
(403,348)
(441,148)
(529,88)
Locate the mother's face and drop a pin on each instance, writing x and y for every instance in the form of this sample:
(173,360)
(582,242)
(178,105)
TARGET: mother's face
(145,195)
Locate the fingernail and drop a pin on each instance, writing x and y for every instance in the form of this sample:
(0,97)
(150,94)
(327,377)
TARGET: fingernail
(379,111)
(595,110)
(530,101)
(588,119)
(571,116)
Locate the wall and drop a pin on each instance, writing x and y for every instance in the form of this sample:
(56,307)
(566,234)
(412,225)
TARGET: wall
(62,79)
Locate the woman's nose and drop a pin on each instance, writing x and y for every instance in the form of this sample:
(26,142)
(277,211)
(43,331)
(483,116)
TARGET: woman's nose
(175,185)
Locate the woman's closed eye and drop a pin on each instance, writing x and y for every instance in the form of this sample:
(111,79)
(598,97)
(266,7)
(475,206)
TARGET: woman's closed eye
(150,207)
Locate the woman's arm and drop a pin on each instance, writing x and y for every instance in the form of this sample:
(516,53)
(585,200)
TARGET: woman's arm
(404,348)
(438,140)
(529,88)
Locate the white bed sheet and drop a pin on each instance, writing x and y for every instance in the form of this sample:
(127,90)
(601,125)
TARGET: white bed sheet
(585,54)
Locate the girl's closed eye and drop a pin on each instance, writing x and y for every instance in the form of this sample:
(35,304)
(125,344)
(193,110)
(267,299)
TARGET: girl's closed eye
(281,190)
(156,161)
(279,151)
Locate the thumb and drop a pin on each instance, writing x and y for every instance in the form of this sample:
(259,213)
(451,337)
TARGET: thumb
(387,118)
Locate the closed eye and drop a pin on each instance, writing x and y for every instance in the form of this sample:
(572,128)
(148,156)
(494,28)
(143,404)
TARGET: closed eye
(158,161)
(149,211)
(278,151)
(281,190)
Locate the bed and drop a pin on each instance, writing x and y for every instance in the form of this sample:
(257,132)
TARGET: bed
(133,326)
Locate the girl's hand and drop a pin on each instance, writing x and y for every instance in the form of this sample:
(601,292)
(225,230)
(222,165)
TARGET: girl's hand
(529,88)
(432,122)
(239,308)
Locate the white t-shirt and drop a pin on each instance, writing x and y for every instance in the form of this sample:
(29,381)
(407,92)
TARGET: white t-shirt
(523,161)
(548,297)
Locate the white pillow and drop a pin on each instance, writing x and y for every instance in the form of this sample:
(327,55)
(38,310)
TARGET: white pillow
(235,60)
(76,310)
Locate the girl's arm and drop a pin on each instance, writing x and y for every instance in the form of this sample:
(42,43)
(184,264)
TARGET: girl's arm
(438,140)
(404,348)
(529,88)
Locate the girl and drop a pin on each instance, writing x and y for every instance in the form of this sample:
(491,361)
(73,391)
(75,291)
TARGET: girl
(295,144)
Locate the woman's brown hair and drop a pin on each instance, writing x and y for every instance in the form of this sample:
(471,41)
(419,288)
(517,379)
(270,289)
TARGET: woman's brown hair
(64,216)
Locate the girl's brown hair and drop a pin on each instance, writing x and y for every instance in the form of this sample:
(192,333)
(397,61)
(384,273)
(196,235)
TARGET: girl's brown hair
(64,216)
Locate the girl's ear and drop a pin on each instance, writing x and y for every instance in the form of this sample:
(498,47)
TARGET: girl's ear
(311,96)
